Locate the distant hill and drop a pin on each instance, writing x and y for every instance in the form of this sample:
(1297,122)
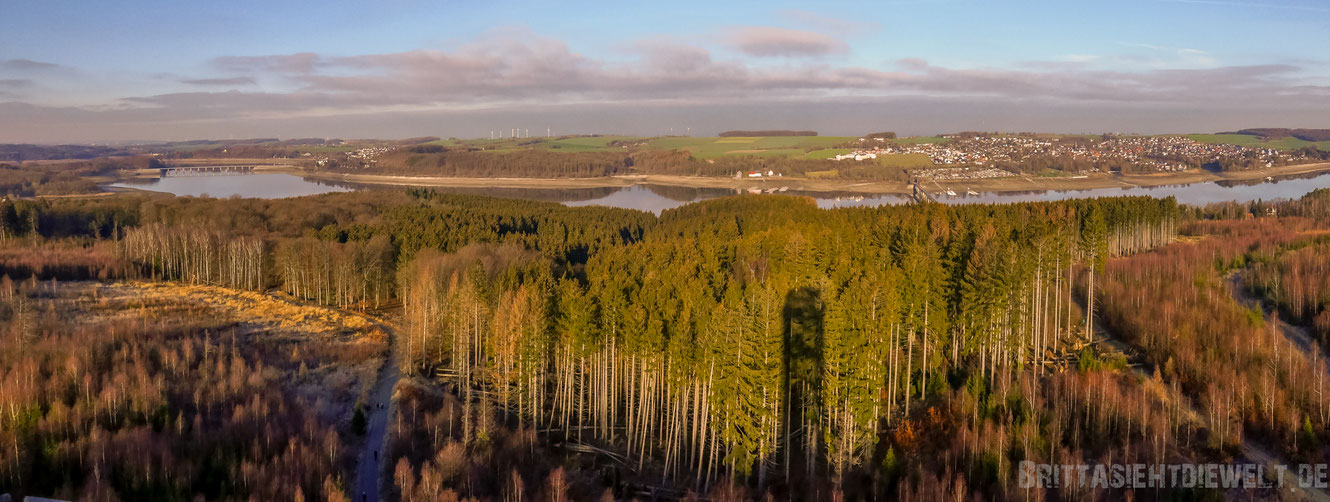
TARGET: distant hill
(773,132)
(417,141)
(22,152)
(1276,133)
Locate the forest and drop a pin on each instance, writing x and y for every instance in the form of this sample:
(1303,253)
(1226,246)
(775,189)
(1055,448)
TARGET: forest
(734,349)
(71,177)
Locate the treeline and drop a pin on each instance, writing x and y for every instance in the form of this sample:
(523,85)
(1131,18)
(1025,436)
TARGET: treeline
(66,260)
(29,179)
(534,163)
(1276,133)
(763,339)
(343,253)
(1312,153)
(197,256)
(21,152)
(46,218)
(355,273)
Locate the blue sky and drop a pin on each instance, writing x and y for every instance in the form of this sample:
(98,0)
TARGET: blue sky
(101,71)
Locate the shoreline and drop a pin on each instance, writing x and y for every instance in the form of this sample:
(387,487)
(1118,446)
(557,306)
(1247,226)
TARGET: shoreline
(989,185)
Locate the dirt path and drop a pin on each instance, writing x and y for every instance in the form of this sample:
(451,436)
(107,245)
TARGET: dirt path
(1251,451)
(1296,334)
(371,466)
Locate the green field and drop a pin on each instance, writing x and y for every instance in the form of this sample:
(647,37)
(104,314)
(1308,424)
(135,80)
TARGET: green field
(712,147)
(584,144)
(326,149)
(919,140)
(560,144)
(826,153)
(806,147)
(1247,140)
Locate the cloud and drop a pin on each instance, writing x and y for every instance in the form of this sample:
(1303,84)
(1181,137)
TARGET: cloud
(15,82)
(287,63)
(829,24)
(27,65)
(1079,58)
(220,81)
(766,41)
(912,63)
(517,73)
(1160,56)
(907,114)
(502,69)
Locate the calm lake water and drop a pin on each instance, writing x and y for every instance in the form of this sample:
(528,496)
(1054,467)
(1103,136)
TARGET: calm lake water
(657,198)
(256,185)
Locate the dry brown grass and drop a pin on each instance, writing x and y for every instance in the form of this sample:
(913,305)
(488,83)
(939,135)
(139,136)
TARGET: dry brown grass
(248,306)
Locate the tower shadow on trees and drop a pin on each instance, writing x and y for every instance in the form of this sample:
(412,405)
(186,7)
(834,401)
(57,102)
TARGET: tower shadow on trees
(804,314)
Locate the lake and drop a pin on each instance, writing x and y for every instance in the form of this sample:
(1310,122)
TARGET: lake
(255,185)
(657,198)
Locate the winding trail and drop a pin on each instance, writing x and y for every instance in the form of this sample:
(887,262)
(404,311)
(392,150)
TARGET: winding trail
(1251,451)
(1300,338)
(370,468)
(1296,334)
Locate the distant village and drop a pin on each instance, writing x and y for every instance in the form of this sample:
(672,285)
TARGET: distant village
(971,156)
(975,157)
(368,155)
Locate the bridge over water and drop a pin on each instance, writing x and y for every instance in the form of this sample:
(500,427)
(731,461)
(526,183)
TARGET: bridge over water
(919,193)
(179,171)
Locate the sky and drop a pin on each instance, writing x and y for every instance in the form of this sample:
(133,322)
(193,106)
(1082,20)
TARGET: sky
(143,70)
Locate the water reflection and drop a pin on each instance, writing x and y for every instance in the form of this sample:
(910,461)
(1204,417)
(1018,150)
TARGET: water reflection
(256,185)
(653,198)
(564,195)
(657,198)
(1280,187)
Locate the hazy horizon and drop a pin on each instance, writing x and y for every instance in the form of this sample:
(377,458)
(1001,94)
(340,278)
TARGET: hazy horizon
(98,73)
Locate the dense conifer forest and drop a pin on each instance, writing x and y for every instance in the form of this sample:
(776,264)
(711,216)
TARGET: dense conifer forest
(732,349)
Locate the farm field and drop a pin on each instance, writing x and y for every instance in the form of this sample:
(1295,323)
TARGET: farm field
(712,147)
(1285,143)
(919,140)
(699,147)
(558,143)
(826,153)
